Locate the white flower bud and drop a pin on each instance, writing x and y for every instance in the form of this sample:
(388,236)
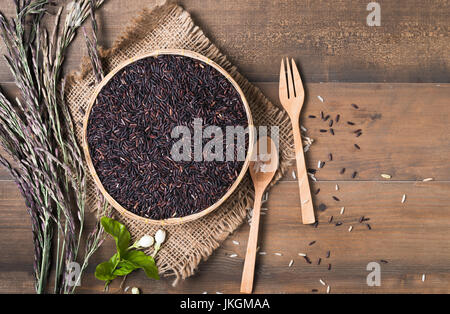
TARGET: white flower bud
(135,290)
(160,236)
(146,241)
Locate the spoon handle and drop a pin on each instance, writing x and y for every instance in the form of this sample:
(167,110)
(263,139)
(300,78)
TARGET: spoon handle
(302,177)
(249,265)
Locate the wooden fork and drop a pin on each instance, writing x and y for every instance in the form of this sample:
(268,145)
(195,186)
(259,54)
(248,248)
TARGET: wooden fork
(292,96)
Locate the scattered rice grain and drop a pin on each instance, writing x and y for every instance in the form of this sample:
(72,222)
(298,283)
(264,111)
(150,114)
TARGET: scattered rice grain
(320,98)
(265,198)
(306,148)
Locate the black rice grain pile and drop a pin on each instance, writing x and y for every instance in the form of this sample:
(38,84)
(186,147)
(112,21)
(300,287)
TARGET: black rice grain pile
(129,135)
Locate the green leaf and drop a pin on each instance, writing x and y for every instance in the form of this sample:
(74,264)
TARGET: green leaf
(125,267)
(119,233)
(114,260)
(141,260)
(104,271)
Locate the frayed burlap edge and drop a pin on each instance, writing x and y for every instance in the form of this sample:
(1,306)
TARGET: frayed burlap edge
(169,26)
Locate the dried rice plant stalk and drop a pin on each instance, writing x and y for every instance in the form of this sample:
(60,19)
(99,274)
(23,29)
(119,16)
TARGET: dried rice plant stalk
(37,132)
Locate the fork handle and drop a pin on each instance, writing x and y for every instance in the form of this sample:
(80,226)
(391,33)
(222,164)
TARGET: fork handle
(302,177)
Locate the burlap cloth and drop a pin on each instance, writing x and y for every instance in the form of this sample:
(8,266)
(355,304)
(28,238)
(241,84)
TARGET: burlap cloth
(169,26)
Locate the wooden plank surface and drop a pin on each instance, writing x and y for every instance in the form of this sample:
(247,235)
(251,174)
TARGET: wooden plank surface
(330,38)
(405,129)
(412,237)
(405,134)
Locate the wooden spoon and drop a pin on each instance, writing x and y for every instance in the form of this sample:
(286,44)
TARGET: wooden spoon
(262,169)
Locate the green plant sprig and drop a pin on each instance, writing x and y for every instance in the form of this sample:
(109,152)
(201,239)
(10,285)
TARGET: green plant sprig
(127,258)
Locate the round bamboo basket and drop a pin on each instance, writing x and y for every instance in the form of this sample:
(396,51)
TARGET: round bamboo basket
(176,220)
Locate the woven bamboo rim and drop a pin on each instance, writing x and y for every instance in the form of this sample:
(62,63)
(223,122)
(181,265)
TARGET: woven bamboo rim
(176,220)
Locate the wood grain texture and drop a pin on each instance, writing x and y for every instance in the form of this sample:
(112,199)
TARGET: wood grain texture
(405,134)
(412,237)
(405,129)
(330,39)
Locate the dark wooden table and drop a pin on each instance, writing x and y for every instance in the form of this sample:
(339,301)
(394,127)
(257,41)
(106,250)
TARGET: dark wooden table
(398,75)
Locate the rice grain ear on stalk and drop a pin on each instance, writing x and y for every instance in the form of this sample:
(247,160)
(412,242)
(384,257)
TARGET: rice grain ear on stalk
(36,131)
